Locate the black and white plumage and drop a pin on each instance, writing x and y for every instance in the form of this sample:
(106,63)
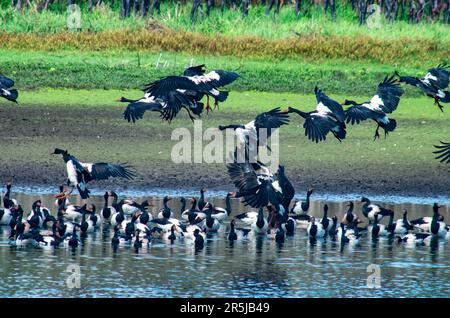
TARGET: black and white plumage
(329,116)
(443,152)
(6,90)
(217,78)
(79,173)
(257,132)
(258,186)
(370,209)
(384,102)
(196,86)
(433,84)
(167,106)
(302,207)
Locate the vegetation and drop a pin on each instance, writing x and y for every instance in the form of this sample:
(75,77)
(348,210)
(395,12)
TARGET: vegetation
(286,24)
(131,70)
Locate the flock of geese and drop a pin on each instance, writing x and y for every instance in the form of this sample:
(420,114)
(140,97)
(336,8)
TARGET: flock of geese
(134,225)
(266,191)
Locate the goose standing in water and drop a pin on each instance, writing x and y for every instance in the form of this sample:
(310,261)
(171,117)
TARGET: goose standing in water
(236,234)
(221,214)
(165,212)
(211,224)
(258,223)
(79,173)
(370,209)
(348,216)
(301,207)
(108,210)
(424,223)
(325,221)
(193,215)
(201,202)
(378,229)
(403,226)
(315,230)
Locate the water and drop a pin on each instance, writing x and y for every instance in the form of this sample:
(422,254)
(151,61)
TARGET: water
(253,268)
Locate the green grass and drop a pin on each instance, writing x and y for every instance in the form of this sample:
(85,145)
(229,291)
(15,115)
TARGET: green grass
(131,70)
(420,124)
(230,23)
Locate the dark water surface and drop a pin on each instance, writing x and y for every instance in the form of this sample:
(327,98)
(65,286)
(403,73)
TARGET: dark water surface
(252,268)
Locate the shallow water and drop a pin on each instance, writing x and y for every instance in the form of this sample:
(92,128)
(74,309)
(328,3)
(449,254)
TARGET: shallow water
(252,268)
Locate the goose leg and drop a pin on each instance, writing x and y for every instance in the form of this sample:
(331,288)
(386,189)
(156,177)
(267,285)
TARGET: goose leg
(208,107)
(436,102)
(377,134)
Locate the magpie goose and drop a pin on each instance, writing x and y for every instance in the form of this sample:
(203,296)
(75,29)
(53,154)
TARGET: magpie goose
(256,220)
(221,214)
(443,152)
(432,84)
(79,173)
(329,116)
(369,210)
(6,90)
(424,223)
(165,211)
(237,234)
(378,229)
(436,227)
(258,186)
(257,132)
(216,78)
(315,230)
(384,102)
(107,210)
(167,106)
(196,85)
(201,202)
(348,216)
(302,207)
(403,226)
(193,215)
(211,224)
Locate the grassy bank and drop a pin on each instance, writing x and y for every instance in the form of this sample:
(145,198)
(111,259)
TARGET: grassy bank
(131,70)
(312,22)
(402,163)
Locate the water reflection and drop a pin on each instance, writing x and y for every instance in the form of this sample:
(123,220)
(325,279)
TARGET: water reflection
(254,268)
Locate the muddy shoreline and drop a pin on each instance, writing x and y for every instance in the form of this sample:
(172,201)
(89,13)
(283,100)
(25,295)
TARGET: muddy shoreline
(28,134)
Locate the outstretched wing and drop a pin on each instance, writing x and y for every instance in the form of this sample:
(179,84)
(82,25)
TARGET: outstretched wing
(256,190)
(387,96)
(274,118)
(161,88)
(6,82)
(358,113)
(102,170)
(136,110)
(270,120)
(443,152)
(175,100)
(317,126)
(219,78)
(195,70)
(438,76)
(323,102)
